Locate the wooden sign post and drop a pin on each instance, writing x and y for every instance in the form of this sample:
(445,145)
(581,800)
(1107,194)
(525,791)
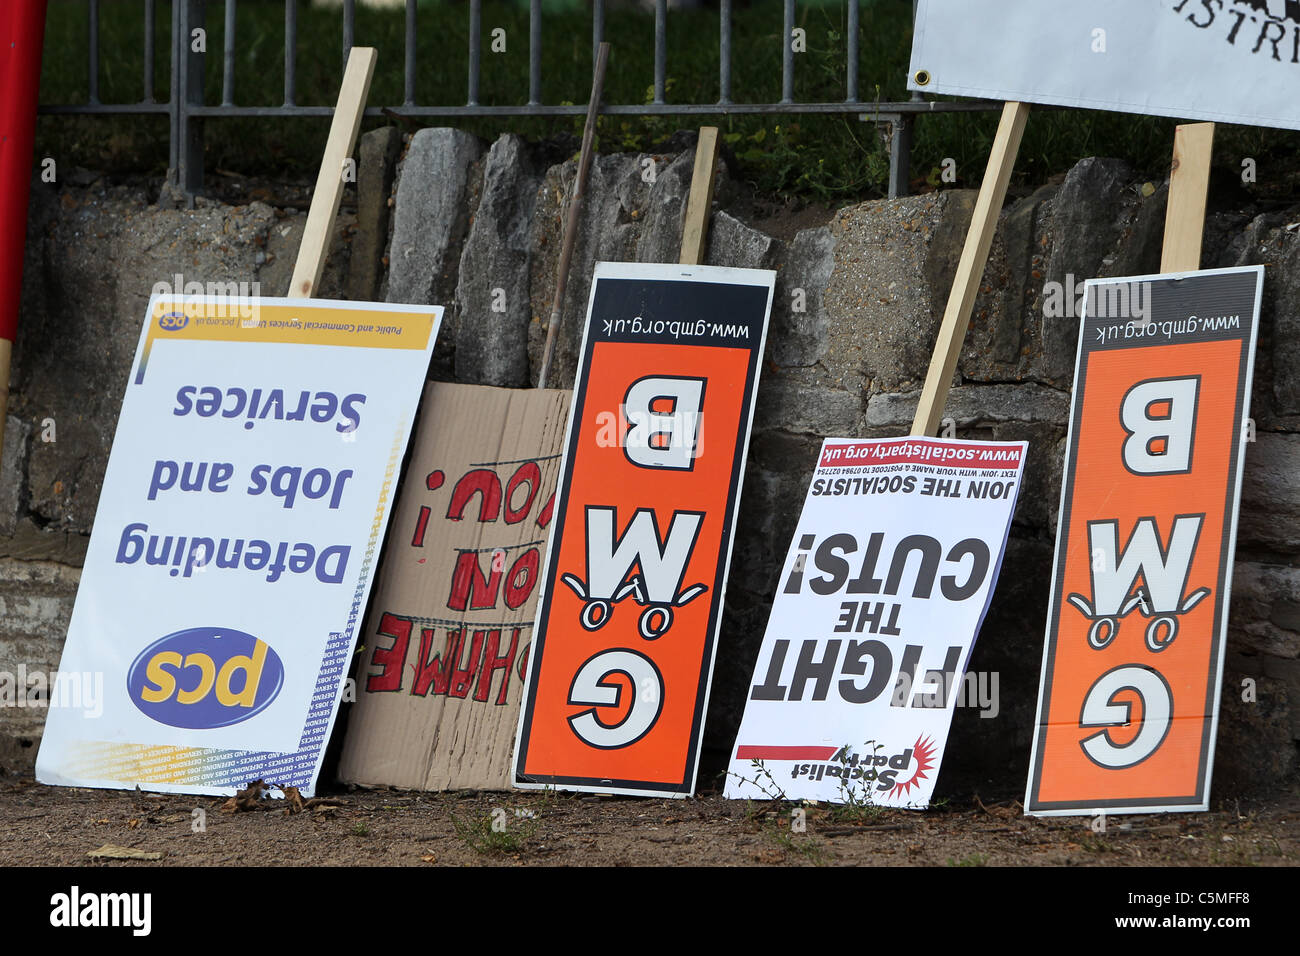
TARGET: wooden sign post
(575,211)
(970,269)
(695,232)
(1189,183)
(1184,226)
(329,182)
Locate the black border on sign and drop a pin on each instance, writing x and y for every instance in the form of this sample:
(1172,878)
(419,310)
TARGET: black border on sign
(685,786)
(1247,334)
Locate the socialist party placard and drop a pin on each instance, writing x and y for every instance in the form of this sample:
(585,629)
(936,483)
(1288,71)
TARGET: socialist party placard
(880,600)
(1133,663)
(240,520)
(627,623)
(1229,61)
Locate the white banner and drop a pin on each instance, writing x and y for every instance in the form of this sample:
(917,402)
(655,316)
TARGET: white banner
(881,596)
(1231,61)
(238,528)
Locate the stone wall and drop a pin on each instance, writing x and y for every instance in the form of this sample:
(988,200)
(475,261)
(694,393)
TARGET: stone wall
(478,226)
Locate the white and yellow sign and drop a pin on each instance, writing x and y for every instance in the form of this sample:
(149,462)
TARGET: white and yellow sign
(237,532)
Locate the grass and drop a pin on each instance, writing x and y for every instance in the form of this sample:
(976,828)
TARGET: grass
(974,859)
(776,818)
(825,158)
(856,811)
(790,844)
(480,835)
(1097,845)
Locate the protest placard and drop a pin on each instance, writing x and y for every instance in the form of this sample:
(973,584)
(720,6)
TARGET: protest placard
(649,489)
(881,597)
(242,512)
(1129,702)
(448,637)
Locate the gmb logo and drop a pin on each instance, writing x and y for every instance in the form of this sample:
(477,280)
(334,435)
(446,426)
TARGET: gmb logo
(205,677)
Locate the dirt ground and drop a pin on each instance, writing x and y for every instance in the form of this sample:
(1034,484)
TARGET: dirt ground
(44,826)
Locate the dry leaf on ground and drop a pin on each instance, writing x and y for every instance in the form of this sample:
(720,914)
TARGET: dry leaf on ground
(250,798)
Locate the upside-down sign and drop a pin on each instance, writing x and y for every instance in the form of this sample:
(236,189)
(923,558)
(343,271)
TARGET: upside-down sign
(1129,702)
(623,648)
(242,514)
(882,594)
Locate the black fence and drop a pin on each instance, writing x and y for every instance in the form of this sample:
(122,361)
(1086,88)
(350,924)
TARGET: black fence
(187,111)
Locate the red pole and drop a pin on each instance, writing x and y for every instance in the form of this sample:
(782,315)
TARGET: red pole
(22,33)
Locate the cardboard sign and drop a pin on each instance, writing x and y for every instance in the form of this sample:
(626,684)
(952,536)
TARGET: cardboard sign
(240,520)
(447,641)
(622,659)
(1231,61)
(1129,702)
(882,594)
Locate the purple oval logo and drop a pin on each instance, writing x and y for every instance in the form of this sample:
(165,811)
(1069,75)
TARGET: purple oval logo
(205,677)
(173,321)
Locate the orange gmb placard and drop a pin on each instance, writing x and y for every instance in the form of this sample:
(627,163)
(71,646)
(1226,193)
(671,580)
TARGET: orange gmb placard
(649,488)
(1129,700)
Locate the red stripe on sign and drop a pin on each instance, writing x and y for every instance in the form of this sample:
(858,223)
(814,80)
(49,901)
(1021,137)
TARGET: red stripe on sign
(922,452)
(785,753)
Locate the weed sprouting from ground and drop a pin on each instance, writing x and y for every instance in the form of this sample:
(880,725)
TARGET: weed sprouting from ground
(855,805)
(494,834)
(765,783)
(791,843)
(777,821)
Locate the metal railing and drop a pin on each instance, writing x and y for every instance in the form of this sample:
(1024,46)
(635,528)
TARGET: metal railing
(187,111)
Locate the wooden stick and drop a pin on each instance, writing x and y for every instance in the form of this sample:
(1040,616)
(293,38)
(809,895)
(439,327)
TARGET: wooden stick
(695,233)
(970,269)
(575,208)
(329,183)
(1189,184)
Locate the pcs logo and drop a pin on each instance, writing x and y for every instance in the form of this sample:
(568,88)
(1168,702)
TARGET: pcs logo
(205,677)
(173,321)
